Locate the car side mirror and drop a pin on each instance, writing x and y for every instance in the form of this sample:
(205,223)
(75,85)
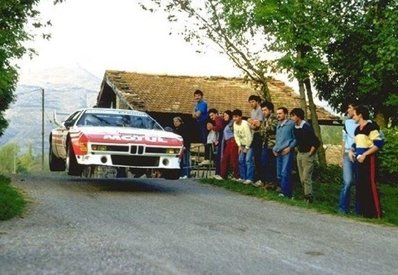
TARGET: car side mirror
(68,123)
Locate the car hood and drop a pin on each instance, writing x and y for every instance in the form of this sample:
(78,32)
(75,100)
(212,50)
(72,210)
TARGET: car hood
(128,135)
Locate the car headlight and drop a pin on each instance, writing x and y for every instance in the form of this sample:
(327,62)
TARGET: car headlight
(172,151)
(98,147)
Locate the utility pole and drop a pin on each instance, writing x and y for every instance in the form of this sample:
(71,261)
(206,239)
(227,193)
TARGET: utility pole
(42,129)
(14,171)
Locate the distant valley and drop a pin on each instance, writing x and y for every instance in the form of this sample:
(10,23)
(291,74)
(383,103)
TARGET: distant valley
(65,89)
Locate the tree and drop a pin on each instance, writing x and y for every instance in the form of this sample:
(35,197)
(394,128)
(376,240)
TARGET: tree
(247,30)
(15,15)
(363,58)
(300,30)
(204,21)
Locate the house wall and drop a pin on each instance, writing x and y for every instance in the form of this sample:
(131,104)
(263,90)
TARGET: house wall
(107,97)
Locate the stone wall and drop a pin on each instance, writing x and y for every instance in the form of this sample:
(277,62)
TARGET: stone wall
(333,153)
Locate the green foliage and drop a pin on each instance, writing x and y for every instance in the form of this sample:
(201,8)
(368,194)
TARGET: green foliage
(12,202)
(331,134)
(11,161)
(347,48)
(389,202)
(26,161)
(14,17)
(362,57)
(327,174)
(388,156)
(8,158)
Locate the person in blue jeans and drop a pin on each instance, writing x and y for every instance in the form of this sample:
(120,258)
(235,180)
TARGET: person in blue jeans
(268,134)
(200,115)
(348,166)
(243,138)
(185,164)
(284,151)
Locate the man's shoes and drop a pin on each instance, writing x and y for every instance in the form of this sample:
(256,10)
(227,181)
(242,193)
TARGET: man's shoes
(247,182)
(270,186)
(217,177)
(183,178)
(204,163)
(308,198)
(342,212)
(258,183)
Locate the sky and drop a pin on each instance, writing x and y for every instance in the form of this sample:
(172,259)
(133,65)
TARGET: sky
(100,35)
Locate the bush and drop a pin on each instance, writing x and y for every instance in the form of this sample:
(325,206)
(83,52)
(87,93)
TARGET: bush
(331,134)
(11,201)
(331,174)
(388,160)
(12,161)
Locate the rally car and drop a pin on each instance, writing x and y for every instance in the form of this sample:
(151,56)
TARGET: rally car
(128,140)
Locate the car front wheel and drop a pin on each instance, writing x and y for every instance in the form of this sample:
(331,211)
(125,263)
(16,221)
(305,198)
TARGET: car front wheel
(55,163)
(74,168)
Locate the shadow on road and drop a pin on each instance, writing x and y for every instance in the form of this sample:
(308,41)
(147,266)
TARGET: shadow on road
(129,185)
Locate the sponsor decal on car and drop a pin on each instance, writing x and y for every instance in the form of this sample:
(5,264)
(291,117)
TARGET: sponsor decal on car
(135,138)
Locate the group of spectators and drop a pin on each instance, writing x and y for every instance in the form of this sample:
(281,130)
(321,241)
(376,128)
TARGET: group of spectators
(260,150)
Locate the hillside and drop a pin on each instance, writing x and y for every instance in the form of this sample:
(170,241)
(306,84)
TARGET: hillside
(65,89)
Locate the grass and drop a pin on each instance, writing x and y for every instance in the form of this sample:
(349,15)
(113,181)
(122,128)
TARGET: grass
(327,184)
(12,202)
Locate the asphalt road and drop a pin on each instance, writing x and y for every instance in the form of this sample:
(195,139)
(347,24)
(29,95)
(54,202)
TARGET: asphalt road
(80,226)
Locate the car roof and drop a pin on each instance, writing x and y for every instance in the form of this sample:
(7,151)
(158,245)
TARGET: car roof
(115,111)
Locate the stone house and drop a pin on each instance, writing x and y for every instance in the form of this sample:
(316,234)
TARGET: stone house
(167,96)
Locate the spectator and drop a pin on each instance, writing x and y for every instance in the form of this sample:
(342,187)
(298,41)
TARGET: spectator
(283,151)
(200,115)
(348,166)
(268,136)
(211,144)
(367,142)
(307,144)
(243,137)
(185,164)
(229,149)
(218,127)
(256,118)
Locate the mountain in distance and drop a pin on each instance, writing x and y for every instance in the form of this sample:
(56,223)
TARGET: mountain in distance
(65,90)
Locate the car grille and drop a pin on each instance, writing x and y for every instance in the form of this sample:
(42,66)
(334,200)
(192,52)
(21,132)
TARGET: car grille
(138,161)
(117,148)
(137,149)
(155,150)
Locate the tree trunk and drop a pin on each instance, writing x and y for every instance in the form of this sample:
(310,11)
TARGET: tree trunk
(315,123)
(265,91)
(303,101)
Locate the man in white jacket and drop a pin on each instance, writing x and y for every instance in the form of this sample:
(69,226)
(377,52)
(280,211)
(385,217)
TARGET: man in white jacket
(244,137)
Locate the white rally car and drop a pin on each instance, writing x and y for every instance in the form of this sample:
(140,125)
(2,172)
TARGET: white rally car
(125,139)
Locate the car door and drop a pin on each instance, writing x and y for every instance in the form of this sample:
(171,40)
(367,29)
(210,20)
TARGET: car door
(63,131)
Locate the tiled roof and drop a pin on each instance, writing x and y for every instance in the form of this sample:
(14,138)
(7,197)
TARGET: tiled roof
(174,94)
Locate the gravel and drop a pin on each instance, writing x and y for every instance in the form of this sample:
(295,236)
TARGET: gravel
(155,226)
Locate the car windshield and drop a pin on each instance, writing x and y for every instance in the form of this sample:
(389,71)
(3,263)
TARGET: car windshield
(118,120)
